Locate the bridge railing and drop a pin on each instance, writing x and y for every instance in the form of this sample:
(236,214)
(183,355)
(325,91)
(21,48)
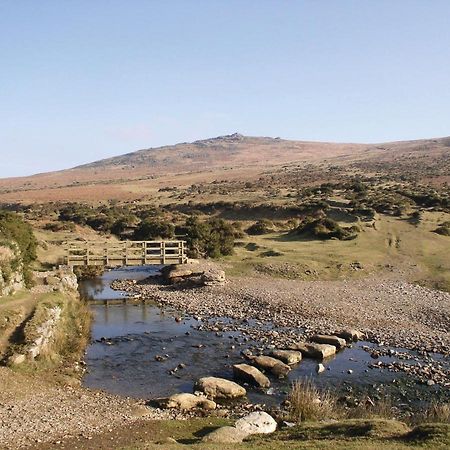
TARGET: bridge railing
(126,253)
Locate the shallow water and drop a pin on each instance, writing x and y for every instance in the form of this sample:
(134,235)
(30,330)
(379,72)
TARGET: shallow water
(126,338)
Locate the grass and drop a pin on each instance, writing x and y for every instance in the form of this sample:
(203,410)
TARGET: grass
(308,403)
(393,241)
(436,412)
(342,434)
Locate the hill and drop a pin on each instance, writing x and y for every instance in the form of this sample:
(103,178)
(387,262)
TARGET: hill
(230,157)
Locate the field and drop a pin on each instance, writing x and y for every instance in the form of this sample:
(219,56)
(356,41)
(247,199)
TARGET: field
(389,242)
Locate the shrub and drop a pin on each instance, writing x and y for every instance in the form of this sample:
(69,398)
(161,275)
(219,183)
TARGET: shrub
(325,228)
(59,226)
(437,413)
(14,228)
(443,229)
(238,233)
(415,217)
(212,238)
(260,227)
(154,229)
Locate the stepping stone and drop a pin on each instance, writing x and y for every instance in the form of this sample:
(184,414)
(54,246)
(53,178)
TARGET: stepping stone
(251,375)
(219,388)
(272,365)
(287,356)
(313,350)
(330,340)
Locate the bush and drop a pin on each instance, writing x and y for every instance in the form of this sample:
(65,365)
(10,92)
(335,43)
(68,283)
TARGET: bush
(260,227)
(14,228)
(325,228)
(212,238)
(154,229)
(443,229)
(238,233)
(59,226)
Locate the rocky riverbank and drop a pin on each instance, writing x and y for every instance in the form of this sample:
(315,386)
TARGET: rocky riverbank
(278,313)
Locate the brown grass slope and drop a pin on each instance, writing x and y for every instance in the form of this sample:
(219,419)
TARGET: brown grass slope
(227,157)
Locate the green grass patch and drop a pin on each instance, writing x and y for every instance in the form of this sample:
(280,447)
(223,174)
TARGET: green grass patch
(342,434)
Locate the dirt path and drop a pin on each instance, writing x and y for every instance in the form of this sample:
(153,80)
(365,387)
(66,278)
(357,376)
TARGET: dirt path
(15,309)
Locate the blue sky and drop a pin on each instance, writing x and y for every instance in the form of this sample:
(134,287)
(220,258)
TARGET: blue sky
(87,79)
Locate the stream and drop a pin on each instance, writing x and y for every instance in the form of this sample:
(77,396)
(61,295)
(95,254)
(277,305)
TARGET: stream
(140,350)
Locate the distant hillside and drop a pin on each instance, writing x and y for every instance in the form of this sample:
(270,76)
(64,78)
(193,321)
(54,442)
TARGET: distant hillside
(225,157)
(224,151)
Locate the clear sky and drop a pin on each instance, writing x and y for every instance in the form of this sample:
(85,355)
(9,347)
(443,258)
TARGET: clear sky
(81,80)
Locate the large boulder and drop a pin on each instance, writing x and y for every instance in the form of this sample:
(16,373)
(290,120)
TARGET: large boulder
(225,435)
(213,277)
(186,401)
(287,356)
(272,365)
(258,422)
(251,375)
(69,282)
(202,274)
(175,273)
(350,335)
(314,350)
(219,388)
(330,340)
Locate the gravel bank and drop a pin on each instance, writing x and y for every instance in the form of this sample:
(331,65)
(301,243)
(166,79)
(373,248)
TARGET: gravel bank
(33,410)
(389,312)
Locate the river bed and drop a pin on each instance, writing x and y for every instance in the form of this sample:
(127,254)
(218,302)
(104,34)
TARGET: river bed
(147,351)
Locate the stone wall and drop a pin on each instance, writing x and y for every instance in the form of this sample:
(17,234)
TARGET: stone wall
(62,279)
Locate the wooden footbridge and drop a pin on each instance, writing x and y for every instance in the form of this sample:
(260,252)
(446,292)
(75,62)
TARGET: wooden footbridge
(126,253)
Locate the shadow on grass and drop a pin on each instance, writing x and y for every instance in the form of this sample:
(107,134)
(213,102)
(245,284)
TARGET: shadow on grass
(430,432)
(198,435)
(348,429)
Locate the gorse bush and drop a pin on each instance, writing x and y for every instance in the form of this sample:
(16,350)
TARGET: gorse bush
(14,228)
(260,227)
(325,228)
(443,229)
(114,219)
(150,229)
(15,231)
(212,238)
